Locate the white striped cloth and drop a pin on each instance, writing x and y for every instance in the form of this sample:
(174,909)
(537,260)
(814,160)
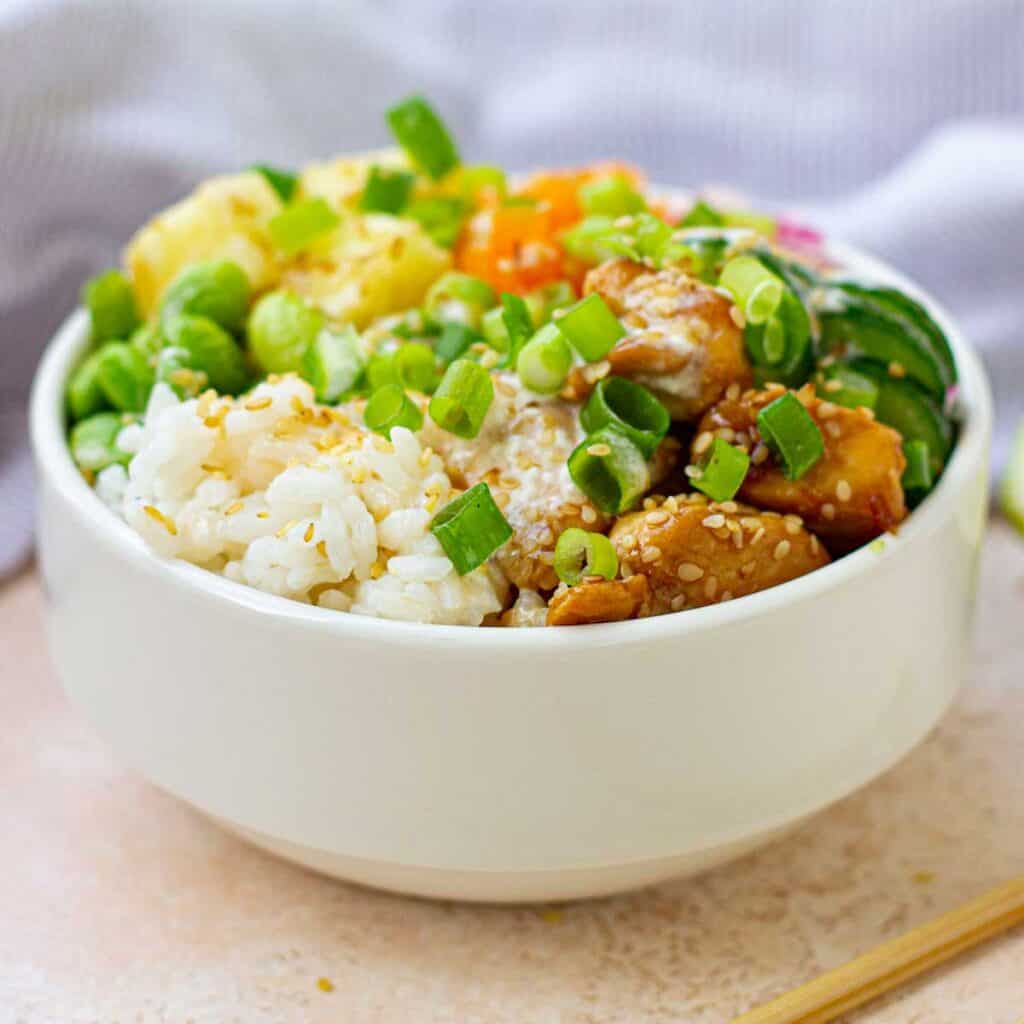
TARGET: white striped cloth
(898,126)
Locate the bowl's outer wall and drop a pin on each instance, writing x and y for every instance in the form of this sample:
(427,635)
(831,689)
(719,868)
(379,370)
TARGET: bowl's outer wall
(648,741)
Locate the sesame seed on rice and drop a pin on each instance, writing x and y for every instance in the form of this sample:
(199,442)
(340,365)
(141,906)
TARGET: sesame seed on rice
(782,549)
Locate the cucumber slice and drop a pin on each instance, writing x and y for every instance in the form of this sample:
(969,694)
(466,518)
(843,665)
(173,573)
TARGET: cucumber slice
(902,304)
(1011,488)
(908,408)
(854,326)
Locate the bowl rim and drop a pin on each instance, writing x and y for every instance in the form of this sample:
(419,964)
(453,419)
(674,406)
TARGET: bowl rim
(55,466)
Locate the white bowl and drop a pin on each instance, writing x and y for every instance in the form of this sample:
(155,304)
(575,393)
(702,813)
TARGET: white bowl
(508,765)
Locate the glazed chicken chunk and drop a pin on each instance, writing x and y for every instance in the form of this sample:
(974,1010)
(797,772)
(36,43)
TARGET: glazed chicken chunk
(682,342)
(522,453)
(689,553)
(851,495)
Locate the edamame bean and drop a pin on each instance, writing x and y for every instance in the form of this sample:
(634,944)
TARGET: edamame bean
(125,376)
(174,368)
(111,304)
(210,350)
(281,329)
(85,394)
(94,442)
(147,339)
(218,290)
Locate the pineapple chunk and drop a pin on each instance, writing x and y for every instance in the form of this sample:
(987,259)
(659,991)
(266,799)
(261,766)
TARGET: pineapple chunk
(374,264)
(224,218)
(340,181)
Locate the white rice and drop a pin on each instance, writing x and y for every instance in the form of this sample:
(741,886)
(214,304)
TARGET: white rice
(273,491)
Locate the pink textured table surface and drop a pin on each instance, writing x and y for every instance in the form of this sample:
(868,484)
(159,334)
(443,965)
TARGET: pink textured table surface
(119,905)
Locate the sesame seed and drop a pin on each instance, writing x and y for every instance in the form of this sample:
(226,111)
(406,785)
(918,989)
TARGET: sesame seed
(844,492)
(235,506)
(321,548)
(757,536)
(792,528)
(759,454)
(657,517)
(833,428)
(826,410)
(671,505)
(726,596)
(678,603)
(726,433)
(713,521)
(703,442)
(693,472)
(729,506)
(599,451)
(750,523)
(588,515)
(711,587)
(651,553)
(897,369)
(868,414)
(833,385)
(747,569)
(649,503)
(262,515)
(828,510)
(689,573)
(308,535)
(155,514)
(781,550)
(814,544)
(732,392)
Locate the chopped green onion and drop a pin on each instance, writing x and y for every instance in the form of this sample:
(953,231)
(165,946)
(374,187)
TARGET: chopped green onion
(212,350)
(653,237)
(85,393)
(389,407)
(628,407)
(493,326)
(333,363)
(1011,489)
(471,528)
(386,191)
(218,290)
(477,177)
(456,339)
(423,136)
(580,553)
(125,376)
(284,183)
(545,361)
(281,328)
(596,238)
(518,324)
(440,216)
(755,289)
(722,470)
(545,301)
(458,296)
(111,304)
(462,398)
(301,224)
(843,385)
(702,215)
(759,222)
(610,469)
(788,429)
(416,366)
(591,327)
(918,476)
(93,442)
(612,196)
(773,341)
(704,256)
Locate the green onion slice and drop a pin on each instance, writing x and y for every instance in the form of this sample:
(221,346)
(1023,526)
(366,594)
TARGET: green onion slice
(515,315)
(612,196)
(284,183)
(299,225)
(591,327)
(702,215)
(756,290)
(471,528)
(386,191)
(422,134)
(455,340)
(492,323)
(440,216)
(788,429)
(628,407)
(722,471)
(389,407)
(333,363)
(580,553)
(458,296)
(918,477)
(610,469)
(462,398)
(545,361)
(474,178)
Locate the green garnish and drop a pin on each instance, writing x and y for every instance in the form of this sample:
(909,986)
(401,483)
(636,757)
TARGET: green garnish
(422,134)
(455,340)
(333,363)
(93,442)
(302,223)
(218,290)
(386,191)
(440,216)
(515,315)
(756,290)
(544,361)
(458,296)
(281,328)
(629,408)
(722,470)
(702,215)
(612,196)
(211,350)
(788,429)
(111,305)
(591,327)
(471,528)
(918,477)
(389,406)
(580,554)
(844,386)
(610,469)
(462,398)
(85,393)
(284,183)
(125,376)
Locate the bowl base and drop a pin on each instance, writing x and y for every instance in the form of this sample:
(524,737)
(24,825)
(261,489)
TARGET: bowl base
(504,886)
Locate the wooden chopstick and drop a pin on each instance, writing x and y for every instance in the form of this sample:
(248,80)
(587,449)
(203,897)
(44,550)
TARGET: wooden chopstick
(895,962)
